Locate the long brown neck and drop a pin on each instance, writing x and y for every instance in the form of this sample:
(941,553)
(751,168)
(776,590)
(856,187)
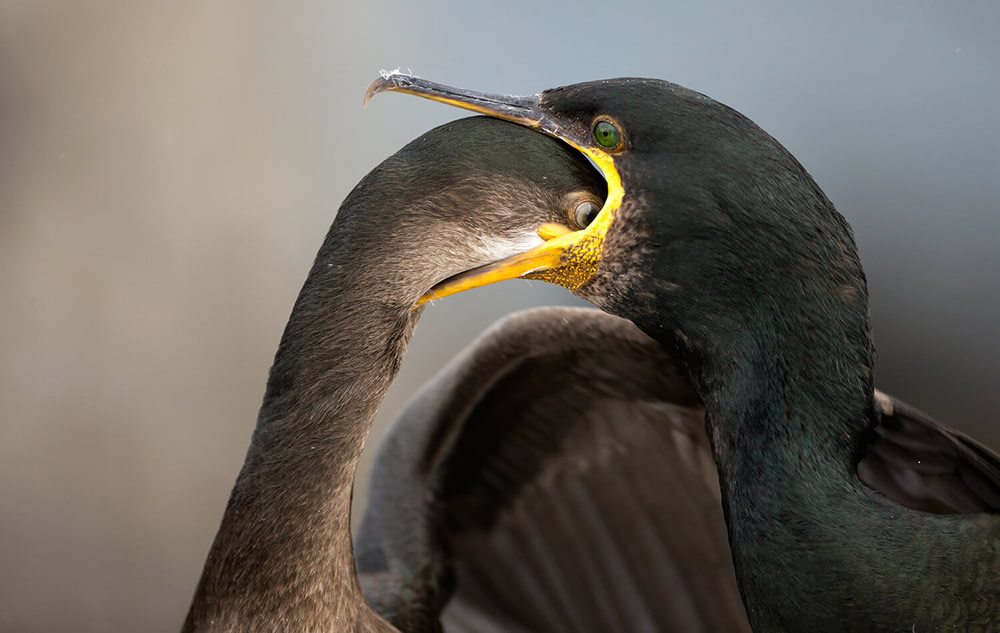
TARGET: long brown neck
(282,558)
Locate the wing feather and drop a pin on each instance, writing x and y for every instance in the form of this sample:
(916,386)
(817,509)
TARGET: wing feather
(556,476)
(922,465)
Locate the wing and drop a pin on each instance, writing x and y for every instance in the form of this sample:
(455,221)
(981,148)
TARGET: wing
(556,476)
(924,466)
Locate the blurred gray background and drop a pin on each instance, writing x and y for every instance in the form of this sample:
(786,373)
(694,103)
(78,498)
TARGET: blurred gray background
(167,172)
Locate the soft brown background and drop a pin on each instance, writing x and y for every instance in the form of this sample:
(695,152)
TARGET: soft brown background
(168,170)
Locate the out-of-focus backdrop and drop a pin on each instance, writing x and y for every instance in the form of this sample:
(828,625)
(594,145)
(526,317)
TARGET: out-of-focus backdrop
(168,170)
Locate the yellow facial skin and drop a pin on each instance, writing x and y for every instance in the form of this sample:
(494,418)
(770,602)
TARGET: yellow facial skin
(548,231)
(580,251)
(567,258)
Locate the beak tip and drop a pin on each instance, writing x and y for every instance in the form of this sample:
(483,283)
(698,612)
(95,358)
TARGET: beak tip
(388,80)
(374,88)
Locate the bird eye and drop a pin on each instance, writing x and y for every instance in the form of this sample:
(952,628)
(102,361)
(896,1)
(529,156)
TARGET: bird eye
(607,135)
(585,213)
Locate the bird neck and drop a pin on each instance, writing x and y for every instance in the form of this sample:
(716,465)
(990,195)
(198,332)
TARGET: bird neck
(787,399)
(283,553)
(789,411)
(768,306)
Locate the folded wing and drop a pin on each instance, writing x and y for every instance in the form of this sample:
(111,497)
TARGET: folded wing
(556,476)
(922,465)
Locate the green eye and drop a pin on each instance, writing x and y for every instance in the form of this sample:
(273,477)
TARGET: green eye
(607,135)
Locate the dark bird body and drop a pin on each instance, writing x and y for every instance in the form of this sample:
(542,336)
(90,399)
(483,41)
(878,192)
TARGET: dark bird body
(717,243)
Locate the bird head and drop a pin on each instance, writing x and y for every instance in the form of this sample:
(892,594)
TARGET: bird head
(709,224)
(468,193)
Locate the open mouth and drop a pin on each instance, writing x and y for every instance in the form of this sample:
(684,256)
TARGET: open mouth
(566,258)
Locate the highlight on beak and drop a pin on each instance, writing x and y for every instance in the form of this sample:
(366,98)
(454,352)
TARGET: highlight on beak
(523,110)
(527,111)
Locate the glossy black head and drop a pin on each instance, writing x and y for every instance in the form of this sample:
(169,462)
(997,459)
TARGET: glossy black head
(721,232)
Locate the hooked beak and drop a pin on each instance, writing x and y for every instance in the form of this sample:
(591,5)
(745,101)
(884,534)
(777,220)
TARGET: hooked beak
(568,259)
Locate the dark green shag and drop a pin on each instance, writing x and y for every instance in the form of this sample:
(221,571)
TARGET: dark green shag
(841,516)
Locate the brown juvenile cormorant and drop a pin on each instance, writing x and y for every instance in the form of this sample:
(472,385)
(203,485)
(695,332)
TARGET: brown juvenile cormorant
(844,512)
(449,201)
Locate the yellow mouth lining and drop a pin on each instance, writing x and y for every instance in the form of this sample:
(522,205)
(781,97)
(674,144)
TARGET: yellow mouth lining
(551,230)
(566,258)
